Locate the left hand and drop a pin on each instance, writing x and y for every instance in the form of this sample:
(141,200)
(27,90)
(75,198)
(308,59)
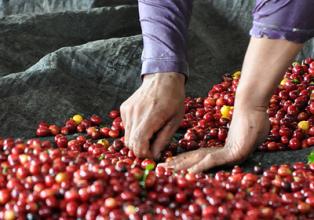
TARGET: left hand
(205,158)
(250,123)
(248,128)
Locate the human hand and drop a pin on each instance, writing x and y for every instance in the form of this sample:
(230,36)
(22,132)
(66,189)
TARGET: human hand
(248,128)
(154,110)
(250,123)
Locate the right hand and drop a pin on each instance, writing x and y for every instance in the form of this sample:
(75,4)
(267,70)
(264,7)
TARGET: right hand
(155,109)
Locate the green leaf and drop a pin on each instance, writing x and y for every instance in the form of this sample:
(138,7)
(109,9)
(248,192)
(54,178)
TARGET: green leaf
(4,170)
(295,63)
(146,172)
(101,157)
(310,157)
(295,81)
(149,167)
(142,184)
(143,180)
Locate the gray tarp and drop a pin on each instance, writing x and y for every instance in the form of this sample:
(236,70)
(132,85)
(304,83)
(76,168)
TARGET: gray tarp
(60,57)
(108,70)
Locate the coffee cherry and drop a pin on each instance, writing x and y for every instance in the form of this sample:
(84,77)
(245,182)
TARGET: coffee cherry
(292,110)
(114,114)
(310,141)
(311,131)
(111,203)
(9,215)
(71,208)
(86,177)
(304,125)
(77,118)
(225,111)
(42,131)
(222,134)
(61,141)
(4,196)
(294,144)
(61,177)
(95,119)
(104,142)
(113,133)
(105,131)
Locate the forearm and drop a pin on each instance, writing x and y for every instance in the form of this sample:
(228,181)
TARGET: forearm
(164,27)
(264,66)
(278,33)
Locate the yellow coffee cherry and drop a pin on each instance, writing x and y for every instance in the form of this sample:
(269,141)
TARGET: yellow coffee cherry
(104,142)
(236,75)
(61,177)
(9,215)
(283,82)
(304,125)
(77,118)
(295,63)
(23,158)
(225,111)
(130,209)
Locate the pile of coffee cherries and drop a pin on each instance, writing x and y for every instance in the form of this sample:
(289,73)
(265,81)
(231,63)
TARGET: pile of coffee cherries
(206,120)
(87,172)
(291,111)
(95,179)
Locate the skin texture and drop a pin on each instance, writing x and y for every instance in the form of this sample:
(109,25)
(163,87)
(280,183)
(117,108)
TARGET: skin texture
(153,113)
(263,68)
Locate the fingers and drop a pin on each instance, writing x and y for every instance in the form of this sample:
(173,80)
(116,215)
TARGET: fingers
(142,132)
(164,136)
(148,109)
(126,116)
(186,160)
(217,157)
(203,159)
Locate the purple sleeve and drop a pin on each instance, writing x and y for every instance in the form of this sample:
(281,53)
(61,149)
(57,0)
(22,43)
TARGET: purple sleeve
(164,28)
(292,20)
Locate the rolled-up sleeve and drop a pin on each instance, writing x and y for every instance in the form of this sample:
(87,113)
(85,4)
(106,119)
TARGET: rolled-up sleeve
(164,28)
(291,20)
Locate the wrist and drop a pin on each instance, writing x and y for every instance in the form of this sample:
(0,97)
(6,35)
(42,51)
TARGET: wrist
(166,77)
(251,99)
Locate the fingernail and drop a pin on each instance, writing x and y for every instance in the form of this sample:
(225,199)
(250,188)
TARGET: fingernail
(169,159)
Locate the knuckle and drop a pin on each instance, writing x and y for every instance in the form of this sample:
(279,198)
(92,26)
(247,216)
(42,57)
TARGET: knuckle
(140,136)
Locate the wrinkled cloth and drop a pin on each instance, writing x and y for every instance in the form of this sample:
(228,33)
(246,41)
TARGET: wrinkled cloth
(291,20)
(164,28)
(165,25)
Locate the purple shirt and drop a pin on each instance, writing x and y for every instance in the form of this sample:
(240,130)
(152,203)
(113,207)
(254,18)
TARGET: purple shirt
(165,25)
